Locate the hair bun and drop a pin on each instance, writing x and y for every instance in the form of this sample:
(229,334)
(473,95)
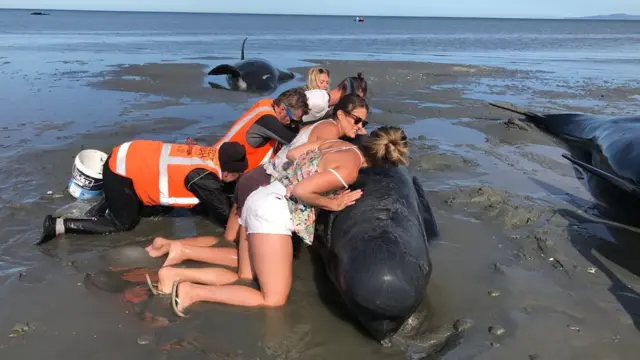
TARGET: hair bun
(359,75)
(387,146)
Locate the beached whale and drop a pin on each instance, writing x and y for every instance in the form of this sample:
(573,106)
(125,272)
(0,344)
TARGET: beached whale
(251,75)
(376,253)
(606,148)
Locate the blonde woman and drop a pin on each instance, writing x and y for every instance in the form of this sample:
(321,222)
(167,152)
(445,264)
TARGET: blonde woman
(319,78)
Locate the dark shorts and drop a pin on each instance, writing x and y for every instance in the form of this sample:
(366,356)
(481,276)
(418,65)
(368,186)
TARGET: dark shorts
(249,183)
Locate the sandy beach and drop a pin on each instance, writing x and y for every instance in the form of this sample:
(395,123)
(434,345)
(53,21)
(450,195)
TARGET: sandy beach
(515,252)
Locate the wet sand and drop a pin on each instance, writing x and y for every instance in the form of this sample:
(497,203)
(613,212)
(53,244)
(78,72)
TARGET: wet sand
(515,252)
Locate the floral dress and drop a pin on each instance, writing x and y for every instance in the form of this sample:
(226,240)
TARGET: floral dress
(303,215)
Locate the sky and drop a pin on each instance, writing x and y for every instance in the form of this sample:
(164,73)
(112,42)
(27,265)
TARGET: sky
(464,8)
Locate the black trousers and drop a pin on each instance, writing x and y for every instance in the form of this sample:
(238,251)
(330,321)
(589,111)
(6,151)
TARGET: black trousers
(122,210)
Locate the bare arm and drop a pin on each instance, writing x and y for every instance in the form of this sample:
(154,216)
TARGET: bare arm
(310,189)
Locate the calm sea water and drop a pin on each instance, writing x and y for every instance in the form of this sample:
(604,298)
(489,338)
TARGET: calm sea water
(38,52)
(608,49)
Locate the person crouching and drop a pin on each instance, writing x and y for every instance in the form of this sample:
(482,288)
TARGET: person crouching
(147,177)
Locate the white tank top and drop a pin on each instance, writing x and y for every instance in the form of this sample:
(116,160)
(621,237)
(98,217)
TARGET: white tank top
(275,166)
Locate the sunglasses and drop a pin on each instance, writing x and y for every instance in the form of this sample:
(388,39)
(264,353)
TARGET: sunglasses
(357,120)
(289,113)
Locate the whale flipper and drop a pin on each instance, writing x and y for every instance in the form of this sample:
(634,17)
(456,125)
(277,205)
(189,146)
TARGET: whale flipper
(428,220)
(217,87)
(225,69)
(620,183)
(514,109)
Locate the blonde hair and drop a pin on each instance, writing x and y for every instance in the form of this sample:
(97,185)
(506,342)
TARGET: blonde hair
(314,73)
(386,146)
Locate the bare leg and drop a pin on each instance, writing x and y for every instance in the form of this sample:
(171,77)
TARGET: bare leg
(231,231)
(272,256)
(160,245)
(245,268)
(210,276)
(179,252)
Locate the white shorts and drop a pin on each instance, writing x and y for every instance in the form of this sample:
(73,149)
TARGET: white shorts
(266,211)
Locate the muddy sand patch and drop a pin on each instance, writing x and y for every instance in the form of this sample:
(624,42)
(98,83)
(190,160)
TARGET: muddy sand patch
(180,82)
(486,203)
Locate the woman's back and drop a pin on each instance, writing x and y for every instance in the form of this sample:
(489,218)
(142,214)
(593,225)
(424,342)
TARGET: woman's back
(322,130)
(337,156)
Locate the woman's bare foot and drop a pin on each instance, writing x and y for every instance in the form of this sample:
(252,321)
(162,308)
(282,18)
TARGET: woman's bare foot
(166,277)
(176,254)
(158,247)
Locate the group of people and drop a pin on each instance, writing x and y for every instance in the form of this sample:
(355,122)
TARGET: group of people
(282,160)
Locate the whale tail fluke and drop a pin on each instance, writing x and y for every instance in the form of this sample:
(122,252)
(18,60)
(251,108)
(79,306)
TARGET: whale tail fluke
(225,69)
(284,76)
(242,52)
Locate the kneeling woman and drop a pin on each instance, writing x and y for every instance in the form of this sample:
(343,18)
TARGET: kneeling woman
(349,118)
(288,204)
(142,177)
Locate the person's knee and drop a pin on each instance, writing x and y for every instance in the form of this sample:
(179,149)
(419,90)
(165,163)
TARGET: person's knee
(277,301)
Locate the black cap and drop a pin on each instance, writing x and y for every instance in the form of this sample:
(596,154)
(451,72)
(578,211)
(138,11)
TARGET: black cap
(233,157)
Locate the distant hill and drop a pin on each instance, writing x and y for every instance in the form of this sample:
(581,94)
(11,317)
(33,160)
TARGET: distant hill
(611,17)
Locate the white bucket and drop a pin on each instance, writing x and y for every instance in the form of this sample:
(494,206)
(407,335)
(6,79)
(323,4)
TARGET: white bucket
(86,174)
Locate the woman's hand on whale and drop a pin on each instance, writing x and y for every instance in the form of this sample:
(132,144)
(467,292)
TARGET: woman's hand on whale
(345,198)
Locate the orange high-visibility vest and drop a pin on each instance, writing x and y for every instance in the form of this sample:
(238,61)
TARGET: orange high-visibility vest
(158,169)
(238,133)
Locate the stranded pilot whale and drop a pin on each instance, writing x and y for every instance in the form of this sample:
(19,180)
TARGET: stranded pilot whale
(252,75)
(376,253)
(606,148)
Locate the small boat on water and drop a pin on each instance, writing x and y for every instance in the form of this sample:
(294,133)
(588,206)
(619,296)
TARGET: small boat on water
(40,13)
(359,19)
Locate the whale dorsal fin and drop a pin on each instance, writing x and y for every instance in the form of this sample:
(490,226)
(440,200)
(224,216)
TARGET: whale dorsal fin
(428,220)
(242,52)
(225,69)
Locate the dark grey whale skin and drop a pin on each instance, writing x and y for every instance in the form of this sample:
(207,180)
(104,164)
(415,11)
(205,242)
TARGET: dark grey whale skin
(251,75)
(607,149)
(376,252)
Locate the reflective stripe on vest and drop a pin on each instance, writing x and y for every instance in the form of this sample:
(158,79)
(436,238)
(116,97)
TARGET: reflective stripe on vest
(266,157)
(121,159)
(165,161)
(242,122)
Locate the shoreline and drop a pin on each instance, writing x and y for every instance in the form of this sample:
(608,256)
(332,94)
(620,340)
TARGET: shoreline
(496,189)
(587,18)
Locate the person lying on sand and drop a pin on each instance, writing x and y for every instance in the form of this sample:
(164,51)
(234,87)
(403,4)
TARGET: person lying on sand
(273,212)
(148,177)
(349,116)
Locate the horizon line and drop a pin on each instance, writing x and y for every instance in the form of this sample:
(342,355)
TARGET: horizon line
(291,14)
